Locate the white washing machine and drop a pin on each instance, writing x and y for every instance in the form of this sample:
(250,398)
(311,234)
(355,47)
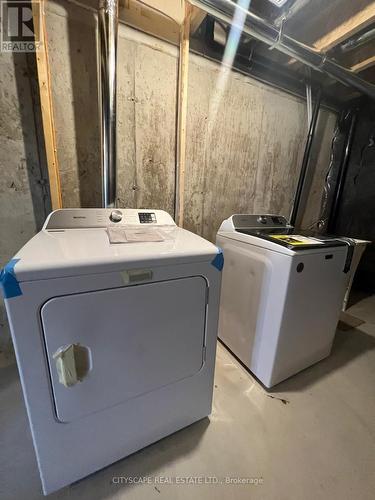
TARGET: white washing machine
(115,342)
(281,294)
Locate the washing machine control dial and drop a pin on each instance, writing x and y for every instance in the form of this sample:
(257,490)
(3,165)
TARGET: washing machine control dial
(116,216)
(262,219)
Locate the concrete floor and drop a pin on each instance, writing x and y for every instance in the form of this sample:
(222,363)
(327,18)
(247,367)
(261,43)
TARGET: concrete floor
(311,438)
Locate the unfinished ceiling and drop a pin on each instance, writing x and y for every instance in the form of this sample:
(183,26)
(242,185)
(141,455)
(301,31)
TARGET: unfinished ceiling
(342,29)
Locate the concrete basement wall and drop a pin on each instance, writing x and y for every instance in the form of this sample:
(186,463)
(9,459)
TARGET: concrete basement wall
(244,145)
(24,202)
(147,89)
(245,140)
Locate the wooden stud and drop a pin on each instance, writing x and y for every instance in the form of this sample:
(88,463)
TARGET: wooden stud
(45,93)
(183,67)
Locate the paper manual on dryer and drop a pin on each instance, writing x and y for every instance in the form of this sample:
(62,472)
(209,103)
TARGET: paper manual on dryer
(134,235)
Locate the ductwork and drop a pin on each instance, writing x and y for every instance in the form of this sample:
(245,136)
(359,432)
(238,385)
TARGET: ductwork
(108,28)
(274,37)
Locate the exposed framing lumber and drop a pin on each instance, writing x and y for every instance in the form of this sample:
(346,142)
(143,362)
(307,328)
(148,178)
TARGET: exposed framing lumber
(366,63)
(326,30)
(162,22)
(183,67)
(45,93)
(196,18)
(358,21)
(357,58)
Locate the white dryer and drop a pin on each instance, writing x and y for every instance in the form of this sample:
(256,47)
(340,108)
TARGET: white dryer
(281,294)
(115,342)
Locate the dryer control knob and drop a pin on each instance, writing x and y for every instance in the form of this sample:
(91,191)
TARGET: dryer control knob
(116,216)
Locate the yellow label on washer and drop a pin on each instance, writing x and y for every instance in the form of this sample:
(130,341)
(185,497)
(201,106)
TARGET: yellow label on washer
(296,239)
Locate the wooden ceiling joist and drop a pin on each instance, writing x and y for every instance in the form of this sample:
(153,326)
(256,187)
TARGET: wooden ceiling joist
(348,28)
(359,58)
(160,18)
(362,65)
(196,18)
(324,24)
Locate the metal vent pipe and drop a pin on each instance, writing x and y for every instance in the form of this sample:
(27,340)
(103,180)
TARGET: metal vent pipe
(108,28)
(271,35)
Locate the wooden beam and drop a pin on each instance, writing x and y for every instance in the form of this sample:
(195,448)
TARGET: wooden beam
(183,67)
(45,93)
(357,22)
(161,19)
(196,18)
(362,65)
(324,24)
(359,58)
(162,22)
(368,74)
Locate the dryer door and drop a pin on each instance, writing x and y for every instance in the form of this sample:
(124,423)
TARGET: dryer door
(106,347)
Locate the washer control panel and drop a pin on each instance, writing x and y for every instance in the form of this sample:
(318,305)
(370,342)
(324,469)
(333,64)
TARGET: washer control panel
(262,220)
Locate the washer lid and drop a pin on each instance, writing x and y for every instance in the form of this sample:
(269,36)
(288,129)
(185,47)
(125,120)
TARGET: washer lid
(294,240)
(272,232)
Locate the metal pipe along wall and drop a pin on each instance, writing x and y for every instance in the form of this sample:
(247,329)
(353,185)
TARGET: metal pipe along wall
(108,28)
(305,161)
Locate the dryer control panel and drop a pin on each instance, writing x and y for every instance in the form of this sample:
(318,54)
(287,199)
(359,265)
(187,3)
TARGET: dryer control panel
(84,218)
(147,217)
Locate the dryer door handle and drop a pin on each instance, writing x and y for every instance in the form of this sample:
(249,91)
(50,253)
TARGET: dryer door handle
(73,363)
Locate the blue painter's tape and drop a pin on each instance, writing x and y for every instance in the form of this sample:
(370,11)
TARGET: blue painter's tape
(8,280)
(218,261)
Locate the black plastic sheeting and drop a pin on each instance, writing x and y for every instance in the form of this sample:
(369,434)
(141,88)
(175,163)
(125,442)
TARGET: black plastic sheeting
(337,153)
(356,212)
